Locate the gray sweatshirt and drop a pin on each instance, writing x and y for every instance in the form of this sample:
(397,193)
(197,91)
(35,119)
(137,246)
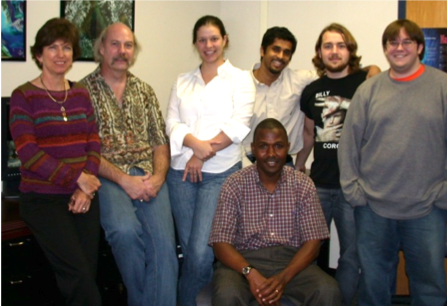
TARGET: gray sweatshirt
(393,149)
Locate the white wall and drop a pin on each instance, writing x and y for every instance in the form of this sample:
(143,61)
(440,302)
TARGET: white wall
(247,21)
(164,29)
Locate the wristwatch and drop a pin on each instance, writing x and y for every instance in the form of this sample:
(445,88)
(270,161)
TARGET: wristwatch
(246,270)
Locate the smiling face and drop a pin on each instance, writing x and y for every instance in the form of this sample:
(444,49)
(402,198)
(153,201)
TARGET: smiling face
(335,54)
(56,58)
(403,55)
(277,56)
(270,147)
(118,48)
(210,44)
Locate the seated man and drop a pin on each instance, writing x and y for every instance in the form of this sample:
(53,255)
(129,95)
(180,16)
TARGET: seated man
(267,231)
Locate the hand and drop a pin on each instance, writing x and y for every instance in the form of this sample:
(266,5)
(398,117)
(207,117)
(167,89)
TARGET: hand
(153,185)
(332,133)
(135,188)
(204,149)
(255,280)
(301,169)
(373,70)
(194,168)
(89,184)
(272,289)
(79,202)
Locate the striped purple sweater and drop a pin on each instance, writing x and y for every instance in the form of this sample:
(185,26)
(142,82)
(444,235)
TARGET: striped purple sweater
(53,152)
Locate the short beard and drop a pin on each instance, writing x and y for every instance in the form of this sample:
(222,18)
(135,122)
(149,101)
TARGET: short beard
(336,69)
(273,71)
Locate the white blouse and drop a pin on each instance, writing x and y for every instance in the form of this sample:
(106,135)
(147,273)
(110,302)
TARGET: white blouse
(204,110)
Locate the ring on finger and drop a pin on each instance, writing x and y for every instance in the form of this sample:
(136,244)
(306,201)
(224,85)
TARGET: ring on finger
(83,208)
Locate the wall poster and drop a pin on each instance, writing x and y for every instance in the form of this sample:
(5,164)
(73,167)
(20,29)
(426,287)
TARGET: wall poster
(13,30)
(91,17)
(435,48)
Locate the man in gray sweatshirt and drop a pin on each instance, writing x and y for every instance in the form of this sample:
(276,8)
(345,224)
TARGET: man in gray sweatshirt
(392,157)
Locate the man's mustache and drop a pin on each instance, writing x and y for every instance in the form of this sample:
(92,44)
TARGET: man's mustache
(120,58)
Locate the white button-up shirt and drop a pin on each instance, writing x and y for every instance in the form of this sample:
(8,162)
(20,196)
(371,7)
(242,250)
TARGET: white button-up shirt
(204,110)
(281,101)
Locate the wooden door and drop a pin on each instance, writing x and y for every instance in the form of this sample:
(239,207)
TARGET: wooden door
(427,14)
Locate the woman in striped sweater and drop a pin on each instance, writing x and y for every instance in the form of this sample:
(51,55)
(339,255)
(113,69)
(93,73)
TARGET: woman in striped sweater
(54,130)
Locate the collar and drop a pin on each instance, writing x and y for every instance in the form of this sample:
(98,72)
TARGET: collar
(257,66)
(282,178)
(97,75)
(222,71)
(414,76)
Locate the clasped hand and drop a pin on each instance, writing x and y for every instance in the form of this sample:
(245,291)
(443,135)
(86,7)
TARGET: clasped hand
(267,291)
(142,187)
(204,150)
(89,184)
(79,202)
(194,168)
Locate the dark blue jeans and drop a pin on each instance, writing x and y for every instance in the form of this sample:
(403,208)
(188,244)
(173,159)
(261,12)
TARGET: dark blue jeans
(335,206)
(423,243)
(193,206)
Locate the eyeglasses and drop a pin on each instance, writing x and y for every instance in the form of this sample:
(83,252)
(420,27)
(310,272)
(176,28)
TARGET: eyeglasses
(406,43)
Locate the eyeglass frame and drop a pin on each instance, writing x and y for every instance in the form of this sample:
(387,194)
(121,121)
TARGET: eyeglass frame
(405,43)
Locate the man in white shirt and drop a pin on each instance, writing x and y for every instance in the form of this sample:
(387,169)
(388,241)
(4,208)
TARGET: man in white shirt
(278,88)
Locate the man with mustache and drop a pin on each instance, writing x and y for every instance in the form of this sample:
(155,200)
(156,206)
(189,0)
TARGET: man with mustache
(325,102)
(267,231)
(134,202)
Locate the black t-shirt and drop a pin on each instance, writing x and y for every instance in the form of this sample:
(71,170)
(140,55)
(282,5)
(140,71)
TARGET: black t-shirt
(326,102)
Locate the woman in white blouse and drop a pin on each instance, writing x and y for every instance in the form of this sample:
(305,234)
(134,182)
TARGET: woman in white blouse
(208,116)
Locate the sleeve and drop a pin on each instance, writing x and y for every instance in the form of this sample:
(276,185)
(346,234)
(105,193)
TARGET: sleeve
(349,149)
(31,156)
(244,92)
(311,218)
(157,126)
(225,221)
(441,200)
(304,102)
(175,128)
(93,142)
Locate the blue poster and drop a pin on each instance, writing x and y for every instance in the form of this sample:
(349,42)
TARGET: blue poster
(13,29)
(435,48)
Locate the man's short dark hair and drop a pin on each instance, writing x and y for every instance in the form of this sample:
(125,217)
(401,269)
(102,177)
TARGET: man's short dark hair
(278,33)
(269,124)
(411,28)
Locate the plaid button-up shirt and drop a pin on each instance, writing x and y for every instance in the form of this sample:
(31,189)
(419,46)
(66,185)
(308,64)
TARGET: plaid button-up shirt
(250,217)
